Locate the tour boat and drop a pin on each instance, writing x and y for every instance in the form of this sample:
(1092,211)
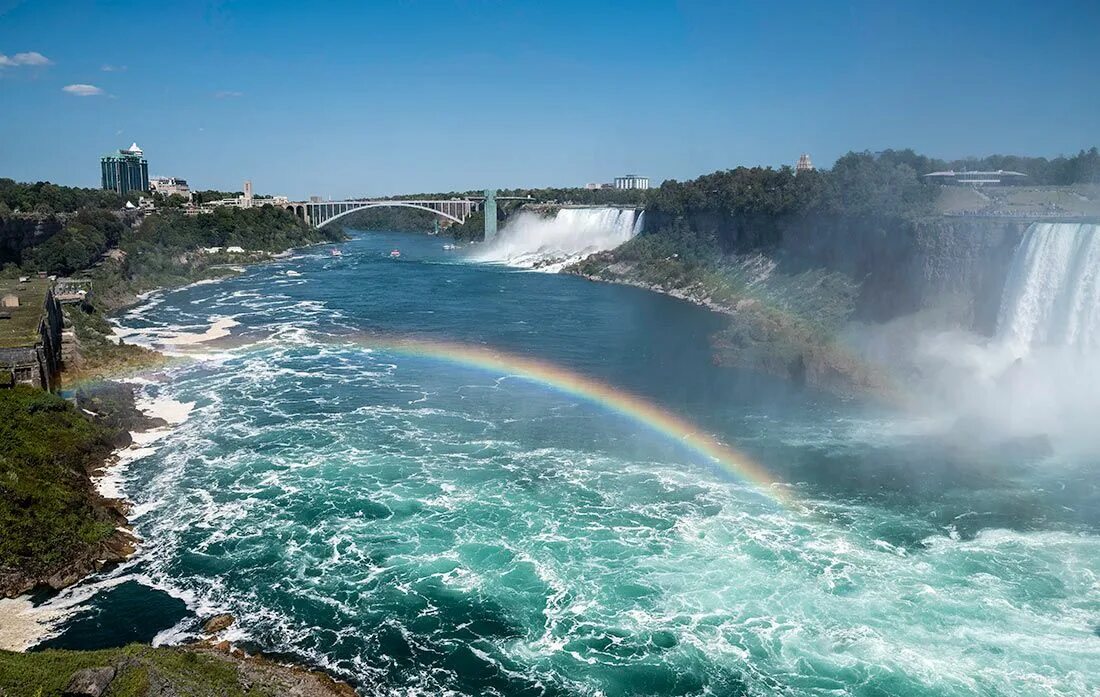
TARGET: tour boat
(336,253)
(394,254)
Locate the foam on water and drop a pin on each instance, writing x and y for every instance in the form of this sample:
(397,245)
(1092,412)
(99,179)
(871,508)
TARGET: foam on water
(426,529)
(549,243)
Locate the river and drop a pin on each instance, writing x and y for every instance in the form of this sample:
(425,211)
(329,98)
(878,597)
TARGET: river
(433,476)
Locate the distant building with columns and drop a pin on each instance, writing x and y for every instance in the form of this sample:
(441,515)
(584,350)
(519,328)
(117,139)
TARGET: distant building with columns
(631,181)
(804,163)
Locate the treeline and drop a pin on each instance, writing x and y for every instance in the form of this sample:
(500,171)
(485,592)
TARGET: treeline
(747,209)
(79,244)
(153,245)
(44,198)
(208,195)
(265,228)
(165,250)
(562,195)
(1082,168)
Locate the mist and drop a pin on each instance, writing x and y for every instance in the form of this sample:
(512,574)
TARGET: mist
(1037,380)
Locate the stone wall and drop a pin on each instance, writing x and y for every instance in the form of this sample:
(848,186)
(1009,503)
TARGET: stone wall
(38,364)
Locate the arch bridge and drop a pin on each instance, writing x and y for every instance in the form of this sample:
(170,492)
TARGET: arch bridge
(321,213)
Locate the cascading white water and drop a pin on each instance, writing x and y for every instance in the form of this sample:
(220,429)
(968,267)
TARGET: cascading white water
(1038,380)
(531,240)
(1052,296)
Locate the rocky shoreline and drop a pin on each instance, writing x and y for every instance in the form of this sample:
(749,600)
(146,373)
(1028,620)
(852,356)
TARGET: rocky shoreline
(115,406)
(684,294)
(112,404)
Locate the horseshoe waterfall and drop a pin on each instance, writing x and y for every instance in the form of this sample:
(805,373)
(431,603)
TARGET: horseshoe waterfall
(1052,295)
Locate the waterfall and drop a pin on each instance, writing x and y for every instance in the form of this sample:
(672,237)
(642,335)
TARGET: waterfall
(549,243)
(1052,296)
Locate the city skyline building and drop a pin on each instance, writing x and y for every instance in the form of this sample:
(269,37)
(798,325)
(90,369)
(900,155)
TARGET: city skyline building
(125,171)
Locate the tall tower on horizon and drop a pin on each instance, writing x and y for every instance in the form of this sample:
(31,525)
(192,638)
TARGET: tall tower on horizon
(124,171)
(804,164)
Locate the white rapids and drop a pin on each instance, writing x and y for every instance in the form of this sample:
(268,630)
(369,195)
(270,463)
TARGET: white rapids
(549,243)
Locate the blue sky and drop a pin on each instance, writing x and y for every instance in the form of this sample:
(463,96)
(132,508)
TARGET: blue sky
(364,98)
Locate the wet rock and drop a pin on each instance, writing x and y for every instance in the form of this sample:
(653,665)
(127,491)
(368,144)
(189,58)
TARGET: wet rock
(217,623)
(89,682)
(70,574)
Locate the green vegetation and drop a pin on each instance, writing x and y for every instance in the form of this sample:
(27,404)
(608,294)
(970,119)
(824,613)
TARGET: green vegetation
(21,329)
(142,670)
(208,195)
(46,514)
(45,198)
(101,356)
(79,244)
(166,249)
(784,254)
(1082,168)
(473,229)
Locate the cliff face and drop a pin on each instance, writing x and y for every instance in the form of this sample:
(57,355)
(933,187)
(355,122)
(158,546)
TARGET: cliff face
(961,265)
(954,265)
(22,231)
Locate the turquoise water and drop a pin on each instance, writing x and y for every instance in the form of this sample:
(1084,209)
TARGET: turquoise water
(421,527)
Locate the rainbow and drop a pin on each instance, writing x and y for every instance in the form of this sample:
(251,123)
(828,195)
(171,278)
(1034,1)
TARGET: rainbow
(690,436)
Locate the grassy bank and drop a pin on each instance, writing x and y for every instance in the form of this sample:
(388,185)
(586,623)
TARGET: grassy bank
(50,515)
(143,670)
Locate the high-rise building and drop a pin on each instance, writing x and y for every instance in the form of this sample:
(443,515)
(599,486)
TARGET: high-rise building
(125,171)
(631,181)
(804,164)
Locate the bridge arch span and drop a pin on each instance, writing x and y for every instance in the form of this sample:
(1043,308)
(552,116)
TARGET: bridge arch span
(389,204)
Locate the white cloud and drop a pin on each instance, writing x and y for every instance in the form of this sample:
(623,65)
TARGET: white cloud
(108,68)
(82,90)
(31,58)
(223,94)
(25,58)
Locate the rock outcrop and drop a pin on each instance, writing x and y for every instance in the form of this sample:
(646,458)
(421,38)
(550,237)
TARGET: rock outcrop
(218,623)
(89,682)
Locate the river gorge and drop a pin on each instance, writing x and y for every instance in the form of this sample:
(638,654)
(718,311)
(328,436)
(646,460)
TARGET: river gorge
(429,475)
